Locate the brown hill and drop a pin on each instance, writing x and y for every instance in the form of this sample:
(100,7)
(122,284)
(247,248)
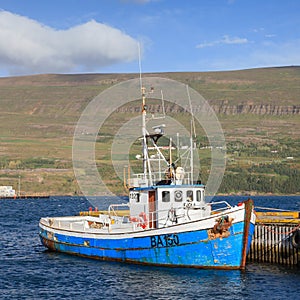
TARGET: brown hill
(39,114)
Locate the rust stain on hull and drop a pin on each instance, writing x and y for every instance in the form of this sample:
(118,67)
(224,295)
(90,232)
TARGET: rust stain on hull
(49,244)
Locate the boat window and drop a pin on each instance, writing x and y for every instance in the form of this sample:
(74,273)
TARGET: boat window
(199,196)
(137,197)
(165,196)
(134,196)
(189,196)
(178,196)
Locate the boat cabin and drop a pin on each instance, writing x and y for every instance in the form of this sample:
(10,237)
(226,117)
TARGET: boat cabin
(165,205)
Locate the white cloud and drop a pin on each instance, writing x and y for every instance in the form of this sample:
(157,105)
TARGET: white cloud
(270,35)
(27,46)
(260,29)
(224,41)
(206,44)
(264,54)
(233,40)
(277,54)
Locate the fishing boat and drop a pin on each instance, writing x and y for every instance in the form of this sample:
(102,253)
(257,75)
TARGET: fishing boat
(166,221)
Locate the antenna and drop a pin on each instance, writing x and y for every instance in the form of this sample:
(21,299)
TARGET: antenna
(163,116)
(140,65)
(163,103)
(192,154)
(193,129)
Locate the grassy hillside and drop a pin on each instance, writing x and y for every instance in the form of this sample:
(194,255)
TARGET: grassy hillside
(259,110)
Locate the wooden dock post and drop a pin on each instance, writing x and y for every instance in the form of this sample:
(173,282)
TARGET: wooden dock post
(276,239)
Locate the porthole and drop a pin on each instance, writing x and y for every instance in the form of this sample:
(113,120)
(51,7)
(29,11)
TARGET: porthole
(178,196)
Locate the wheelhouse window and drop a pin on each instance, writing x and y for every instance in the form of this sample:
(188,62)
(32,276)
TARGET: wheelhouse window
(189,196)
(134,196)
(199,195)
(165,195)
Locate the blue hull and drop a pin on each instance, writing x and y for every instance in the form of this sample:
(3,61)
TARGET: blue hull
(185,249)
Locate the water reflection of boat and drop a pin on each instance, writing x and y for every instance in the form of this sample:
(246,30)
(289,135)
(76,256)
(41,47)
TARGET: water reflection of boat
(166,221)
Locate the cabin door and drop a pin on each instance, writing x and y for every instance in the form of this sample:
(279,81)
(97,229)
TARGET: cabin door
(152,210)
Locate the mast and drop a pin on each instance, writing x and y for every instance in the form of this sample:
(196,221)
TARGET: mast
(192,155)
(144,112)
(193,131)
(144,132)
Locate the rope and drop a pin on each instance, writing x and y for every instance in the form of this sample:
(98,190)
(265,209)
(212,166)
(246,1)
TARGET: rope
(283,233)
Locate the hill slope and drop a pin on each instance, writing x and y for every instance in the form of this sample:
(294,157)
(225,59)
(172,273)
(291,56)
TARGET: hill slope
(259,111)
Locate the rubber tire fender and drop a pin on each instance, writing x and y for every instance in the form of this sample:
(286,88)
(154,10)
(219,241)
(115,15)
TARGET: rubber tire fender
(296,239)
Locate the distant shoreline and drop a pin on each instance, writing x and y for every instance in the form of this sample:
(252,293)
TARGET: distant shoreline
(70,196)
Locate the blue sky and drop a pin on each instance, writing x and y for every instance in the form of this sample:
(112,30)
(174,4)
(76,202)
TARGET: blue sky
(100,36)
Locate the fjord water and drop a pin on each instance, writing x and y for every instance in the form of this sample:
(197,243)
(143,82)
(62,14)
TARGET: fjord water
(29,271)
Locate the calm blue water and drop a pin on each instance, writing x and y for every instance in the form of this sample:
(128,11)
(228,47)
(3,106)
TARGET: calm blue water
(28,271)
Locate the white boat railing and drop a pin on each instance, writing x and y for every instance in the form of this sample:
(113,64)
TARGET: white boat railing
(224,205)
(118,217)
(113,211)
(142,180)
